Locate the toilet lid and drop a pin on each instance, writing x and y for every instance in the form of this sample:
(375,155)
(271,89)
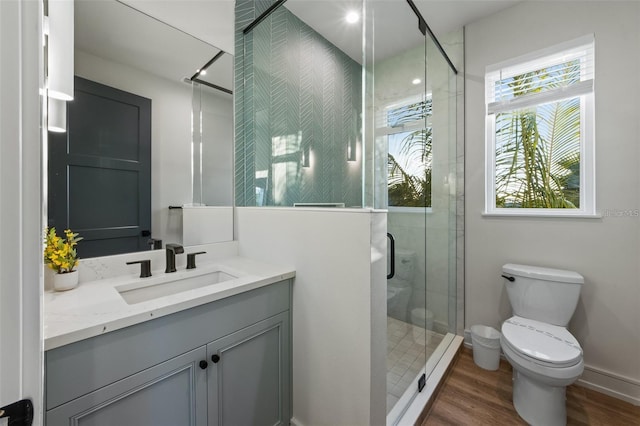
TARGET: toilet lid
(543,342)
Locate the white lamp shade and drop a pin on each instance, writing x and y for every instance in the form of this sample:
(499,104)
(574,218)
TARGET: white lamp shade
(60,51)
(57,116)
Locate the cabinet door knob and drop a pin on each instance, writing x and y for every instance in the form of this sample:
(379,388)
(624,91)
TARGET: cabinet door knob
(203,364)
(215,358)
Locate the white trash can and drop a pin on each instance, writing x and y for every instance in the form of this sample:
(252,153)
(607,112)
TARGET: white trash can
(486,346)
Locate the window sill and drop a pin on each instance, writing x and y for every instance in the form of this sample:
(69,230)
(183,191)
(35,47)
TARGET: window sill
(413,210)
(543,214)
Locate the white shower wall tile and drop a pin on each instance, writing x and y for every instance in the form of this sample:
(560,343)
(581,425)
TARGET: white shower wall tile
(433,269)
(409,347)
(454,45)
(437,303)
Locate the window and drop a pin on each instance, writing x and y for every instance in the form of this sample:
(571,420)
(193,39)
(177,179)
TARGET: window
(409,153)
(540,154)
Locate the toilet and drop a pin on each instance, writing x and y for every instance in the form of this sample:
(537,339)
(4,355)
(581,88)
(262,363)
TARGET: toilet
(399,287)
(545,357)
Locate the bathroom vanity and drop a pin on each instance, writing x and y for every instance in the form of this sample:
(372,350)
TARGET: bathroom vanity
(213,355)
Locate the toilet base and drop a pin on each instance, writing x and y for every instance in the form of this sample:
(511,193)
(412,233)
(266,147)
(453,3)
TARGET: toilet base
(537,403)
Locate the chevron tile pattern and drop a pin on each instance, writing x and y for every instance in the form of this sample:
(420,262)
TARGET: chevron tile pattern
(295,93)
(244,14)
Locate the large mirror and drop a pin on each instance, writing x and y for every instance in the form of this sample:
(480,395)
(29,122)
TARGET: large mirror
(150,129)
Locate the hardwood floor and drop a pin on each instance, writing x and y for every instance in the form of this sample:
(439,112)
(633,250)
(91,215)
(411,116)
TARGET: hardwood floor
(473,396)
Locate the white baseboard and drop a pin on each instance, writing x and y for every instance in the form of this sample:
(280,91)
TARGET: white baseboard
(441,327)
(610,384)
(599,380)
(295,422)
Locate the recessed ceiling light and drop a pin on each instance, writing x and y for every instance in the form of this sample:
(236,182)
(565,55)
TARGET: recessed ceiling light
(203,72)
(352,17)
(416,81)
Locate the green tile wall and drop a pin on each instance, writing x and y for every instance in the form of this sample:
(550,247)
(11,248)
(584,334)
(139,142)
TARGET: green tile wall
(294,90)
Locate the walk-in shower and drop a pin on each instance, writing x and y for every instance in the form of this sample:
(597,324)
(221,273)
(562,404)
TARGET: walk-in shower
(363,113)
(413,126)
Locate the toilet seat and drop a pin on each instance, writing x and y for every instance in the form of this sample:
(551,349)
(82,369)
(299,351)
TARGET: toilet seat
(544,344)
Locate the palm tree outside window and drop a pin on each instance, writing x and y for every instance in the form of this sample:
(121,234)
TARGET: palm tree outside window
(540,132)
(409,153)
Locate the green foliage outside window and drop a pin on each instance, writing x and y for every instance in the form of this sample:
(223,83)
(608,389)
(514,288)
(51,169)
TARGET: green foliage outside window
(409,170)
(538,149)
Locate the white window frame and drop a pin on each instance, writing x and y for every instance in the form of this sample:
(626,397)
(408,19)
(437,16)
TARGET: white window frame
(530,62)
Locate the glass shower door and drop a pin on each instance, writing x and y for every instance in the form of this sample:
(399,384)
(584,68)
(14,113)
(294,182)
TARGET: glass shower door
(399,112)
(413,153)
(441,221)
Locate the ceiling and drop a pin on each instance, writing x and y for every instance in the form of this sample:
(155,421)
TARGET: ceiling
(173,38)
(208,20)
(122,34)
(212,20)
(444,16)
(395,26)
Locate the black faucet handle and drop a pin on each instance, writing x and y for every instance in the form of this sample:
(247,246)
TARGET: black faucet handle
(191,259)
(155,243)
(145,267)
(176,248)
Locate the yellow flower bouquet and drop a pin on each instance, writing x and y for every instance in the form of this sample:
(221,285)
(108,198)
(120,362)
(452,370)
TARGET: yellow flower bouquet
(60,253)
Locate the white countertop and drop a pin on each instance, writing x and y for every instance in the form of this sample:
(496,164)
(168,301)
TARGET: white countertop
(96,307)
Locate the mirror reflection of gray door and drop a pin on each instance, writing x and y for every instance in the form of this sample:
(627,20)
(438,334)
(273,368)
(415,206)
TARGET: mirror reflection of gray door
(100,171)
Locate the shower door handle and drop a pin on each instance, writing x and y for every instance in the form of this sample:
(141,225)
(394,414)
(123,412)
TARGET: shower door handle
(392,270)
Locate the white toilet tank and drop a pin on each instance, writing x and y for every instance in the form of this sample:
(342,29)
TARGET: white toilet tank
(405,264)
(543,294)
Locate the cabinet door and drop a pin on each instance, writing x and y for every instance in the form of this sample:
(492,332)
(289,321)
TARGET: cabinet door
(171,393)
(249,378)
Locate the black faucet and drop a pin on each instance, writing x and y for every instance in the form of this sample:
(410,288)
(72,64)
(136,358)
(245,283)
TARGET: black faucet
(172,250)
(154,244)
(191,259)
(145,267)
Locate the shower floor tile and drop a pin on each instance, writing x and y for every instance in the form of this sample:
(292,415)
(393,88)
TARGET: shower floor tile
(408,347)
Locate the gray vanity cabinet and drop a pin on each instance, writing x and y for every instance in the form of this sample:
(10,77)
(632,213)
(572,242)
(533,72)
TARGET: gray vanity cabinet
(223,363)
(249,375)
(169,394)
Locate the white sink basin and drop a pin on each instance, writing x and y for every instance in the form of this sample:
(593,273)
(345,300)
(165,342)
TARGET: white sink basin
(145,289)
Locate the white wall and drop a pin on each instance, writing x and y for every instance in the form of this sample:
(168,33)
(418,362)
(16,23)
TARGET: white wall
(217,151)
(605,251)
(339,359)
(170,135)
(21,209)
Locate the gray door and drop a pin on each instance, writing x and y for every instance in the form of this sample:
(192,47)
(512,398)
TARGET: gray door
(100,170)
(249,382)
(171,393)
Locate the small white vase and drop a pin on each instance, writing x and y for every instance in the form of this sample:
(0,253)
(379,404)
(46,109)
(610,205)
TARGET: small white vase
(66,281)
(49,275)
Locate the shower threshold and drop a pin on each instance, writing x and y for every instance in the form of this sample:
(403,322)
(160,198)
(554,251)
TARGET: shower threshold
(412,404)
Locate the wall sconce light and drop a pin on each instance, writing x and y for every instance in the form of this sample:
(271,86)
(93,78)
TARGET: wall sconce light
(57,116)
(305,156)
(351,149)
(60,49)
